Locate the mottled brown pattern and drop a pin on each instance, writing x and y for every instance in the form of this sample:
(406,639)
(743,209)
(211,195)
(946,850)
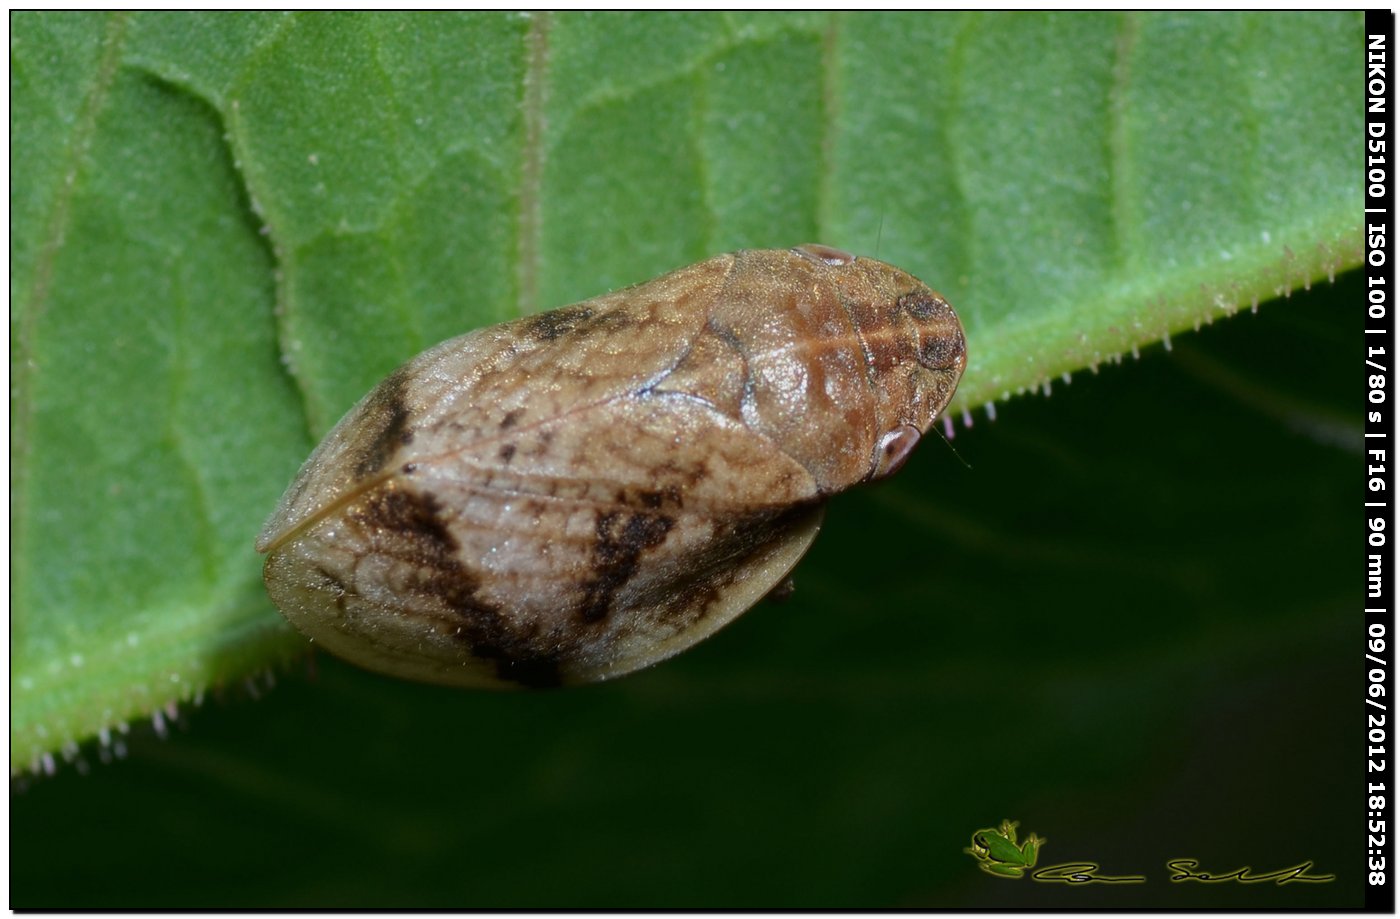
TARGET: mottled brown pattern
(386,424)
(714,568)
(557,323)
(406,526)
(622,538)
(585,492)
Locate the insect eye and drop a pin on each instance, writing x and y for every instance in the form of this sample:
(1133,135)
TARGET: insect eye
(895,448)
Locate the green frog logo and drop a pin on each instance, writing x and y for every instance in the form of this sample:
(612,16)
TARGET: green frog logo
(998,853)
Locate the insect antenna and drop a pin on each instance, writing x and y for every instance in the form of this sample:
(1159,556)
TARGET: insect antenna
(948,440)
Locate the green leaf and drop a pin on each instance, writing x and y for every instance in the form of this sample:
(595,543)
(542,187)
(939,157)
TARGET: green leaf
(226,228)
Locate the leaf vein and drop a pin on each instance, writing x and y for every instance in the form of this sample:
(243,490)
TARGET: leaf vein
(23,365)
(534,93)
(831,114)
(1119,164)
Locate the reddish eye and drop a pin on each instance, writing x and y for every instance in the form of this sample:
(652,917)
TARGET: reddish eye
(895,448)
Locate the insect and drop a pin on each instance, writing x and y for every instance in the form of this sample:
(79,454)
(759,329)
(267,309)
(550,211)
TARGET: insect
(581,493)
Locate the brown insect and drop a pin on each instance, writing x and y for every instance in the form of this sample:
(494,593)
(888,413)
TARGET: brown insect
(575,495)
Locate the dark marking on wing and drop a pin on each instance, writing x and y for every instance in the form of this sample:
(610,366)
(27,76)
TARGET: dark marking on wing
(384,423)
(334,585)
(577,321)
(506,453)
(737,541)
(682,477)
(408,526)
(557,323)
(520,656)
(622,538)
(511,418)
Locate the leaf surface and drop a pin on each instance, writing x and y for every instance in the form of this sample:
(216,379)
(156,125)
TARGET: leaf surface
(226,228)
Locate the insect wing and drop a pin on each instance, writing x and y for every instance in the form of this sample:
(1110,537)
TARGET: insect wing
(543,502)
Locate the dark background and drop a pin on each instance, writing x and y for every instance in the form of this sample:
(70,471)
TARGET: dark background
(1137,630)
